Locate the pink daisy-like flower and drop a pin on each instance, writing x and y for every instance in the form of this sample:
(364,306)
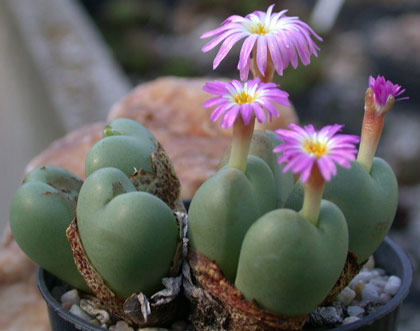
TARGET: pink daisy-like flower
(283,38)
(305,147)
(245,99)
(384,89)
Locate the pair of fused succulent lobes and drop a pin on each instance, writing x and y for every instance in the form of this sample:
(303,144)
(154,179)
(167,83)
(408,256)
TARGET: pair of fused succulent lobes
(278,242)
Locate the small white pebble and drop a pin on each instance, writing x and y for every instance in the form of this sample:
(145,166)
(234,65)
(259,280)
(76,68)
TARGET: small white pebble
(355,311)
(69,299)
(363,276)
(122,326)
(370,293)
(370,264)
(350,319)
(346,296)
(378,282)
(393,284)
(379,272)
(384,298)
(384,278)
(76,310)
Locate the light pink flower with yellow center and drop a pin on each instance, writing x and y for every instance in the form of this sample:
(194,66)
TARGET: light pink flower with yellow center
(305,147)
(247,99)
(274,35)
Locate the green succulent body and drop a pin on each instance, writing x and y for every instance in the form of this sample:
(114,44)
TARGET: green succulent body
(129,237)
(367,200)
(262,145)
(127,145)
(289,265)
(41,211)
(224,208)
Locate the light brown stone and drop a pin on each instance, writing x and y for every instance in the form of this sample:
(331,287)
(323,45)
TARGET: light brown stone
(70,151)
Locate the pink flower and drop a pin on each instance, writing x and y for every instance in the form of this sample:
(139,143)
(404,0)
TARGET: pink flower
(305,147)
(245,99)
(273,35)
(384,89)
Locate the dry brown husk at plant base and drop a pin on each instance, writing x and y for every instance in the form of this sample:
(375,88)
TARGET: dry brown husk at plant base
(134,309)
(218,305)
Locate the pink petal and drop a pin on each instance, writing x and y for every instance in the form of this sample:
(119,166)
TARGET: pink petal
(246,50)
(230,118)
(262,55)
(226,47)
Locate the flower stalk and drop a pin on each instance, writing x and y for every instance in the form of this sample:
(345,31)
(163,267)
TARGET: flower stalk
(314,189)
(241,141)
(265,77)
(379,100)
(372,127)
(268,75)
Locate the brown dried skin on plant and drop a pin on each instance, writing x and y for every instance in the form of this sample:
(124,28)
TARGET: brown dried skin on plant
(160,314)
(130,309)
(233,312)
(350,270)
(92,277)
(164,183)
(177,261)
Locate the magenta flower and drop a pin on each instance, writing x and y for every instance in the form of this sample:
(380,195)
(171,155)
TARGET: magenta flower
(273,35)
(384,89)
(305,147)
(245,99)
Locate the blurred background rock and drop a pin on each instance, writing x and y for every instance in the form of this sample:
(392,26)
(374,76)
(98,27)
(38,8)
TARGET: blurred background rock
(150,38)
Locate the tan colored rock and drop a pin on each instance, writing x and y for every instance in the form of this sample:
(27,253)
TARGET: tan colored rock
(70,151)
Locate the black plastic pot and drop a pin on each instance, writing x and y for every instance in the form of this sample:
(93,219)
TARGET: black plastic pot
(389,256)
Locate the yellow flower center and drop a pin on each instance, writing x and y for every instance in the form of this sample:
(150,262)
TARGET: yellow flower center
(259,29)
(244,97)
(315,147)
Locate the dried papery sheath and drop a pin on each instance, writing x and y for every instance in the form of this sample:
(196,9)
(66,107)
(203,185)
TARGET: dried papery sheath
(246,100)
(275,37)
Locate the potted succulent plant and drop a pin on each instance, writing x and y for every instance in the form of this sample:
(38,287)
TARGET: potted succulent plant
(268,263)
(125,243)
(263,250)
